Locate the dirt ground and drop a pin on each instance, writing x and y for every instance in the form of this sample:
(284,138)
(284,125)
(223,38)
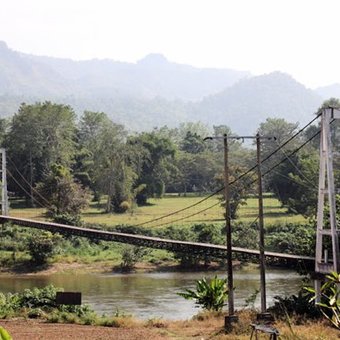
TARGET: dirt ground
(39,330)
(212,328)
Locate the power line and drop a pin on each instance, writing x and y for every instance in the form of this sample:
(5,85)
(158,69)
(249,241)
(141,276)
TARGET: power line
(18,183)
(298,170)
(265,173)
(29,184)
(235,180)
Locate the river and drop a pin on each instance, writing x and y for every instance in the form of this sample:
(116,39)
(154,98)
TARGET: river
(153,295)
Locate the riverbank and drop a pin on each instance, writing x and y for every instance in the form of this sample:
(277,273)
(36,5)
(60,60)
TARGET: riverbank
(204,327)
(105,267)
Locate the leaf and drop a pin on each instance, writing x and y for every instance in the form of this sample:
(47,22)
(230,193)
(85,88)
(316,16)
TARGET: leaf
(4,335)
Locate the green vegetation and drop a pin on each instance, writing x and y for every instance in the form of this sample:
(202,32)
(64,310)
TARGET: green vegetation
(330,298)
(4,335)
(210,294)
(41,303)
(282,236)
(41,246)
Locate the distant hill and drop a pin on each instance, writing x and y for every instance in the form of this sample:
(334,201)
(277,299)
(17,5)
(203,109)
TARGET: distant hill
(154,92)
(331,91)
(154,76)
(246,104)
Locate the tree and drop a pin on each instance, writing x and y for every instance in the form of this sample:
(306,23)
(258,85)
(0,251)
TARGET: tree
(192,143)
(282,131)
(108,160)
(90,131)
(156,164)
(66,197)
(42,245)
(40,135)
(295,183)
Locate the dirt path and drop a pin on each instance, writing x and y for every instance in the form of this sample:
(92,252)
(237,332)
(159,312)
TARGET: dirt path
(39,330)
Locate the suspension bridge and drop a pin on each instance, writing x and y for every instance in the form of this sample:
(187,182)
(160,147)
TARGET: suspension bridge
(218,251)
(214,250)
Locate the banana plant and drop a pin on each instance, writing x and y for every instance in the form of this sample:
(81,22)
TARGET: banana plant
(209,294)
(330,298)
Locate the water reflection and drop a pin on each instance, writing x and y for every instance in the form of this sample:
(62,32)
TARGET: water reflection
(153,295)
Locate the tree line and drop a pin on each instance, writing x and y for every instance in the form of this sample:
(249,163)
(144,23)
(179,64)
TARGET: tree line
(58,161)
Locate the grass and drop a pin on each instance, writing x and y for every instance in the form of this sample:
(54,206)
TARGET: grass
(208,211)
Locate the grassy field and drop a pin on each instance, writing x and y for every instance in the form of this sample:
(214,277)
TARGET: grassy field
(208,211)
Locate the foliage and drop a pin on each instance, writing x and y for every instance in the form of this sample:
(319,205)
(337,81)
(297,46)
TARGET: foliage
(298,305)
(4,335)
(155,165)
(42,246)
(330,298)
(291,238)
(40,135)
(209,294)
(66,197)
(131,255)
(37,302)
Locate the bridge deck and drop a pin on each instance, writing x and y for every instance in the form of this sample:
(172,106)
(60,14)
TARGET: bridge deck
(215,250)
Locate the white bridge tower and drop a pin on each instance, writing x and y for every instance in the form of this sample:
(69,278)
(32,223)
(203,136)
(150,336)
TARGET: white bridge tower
(4,197)
(327,256)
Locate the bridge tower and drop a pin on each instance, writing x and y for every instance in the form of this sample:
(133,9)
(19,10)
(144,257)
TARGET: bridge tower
(327,232)
(3,171)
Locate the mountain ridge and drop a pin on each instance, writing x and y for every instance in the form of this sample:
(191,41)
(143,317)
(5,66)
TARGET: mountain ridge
(153,91)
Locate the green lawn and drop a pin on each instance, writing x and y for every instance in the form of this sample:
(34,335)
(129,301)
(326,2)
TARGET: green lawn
(213,213)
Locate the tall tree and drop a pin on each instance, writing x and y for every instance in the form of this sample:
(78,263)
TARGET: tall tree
(40,135)
(156,166)
(282,131)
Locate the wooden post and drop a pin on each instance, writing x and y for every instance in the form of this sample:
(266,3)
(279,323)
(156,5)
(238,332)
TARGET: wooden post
(228,229)
(261,227)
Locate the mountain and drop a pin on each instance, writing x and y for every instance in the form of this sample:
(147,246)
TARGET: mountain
(21,76)
(154,92)
(154,76)
(249,102)
(330,91)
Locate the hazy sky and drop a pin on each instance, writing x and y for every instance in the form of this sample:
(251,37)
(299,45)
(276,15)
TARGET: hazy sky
(300,37)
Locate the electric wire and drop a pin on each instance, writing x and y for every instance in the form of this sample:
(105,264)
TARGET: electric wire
(252,182)
(298,170)
(235,180)
(29,184)
(18,183)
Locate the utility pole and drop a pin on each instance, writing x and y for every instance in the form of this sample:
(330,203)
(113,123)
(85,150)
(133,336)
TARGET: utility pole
(231,310)
(232,317)
(261,228)
(326,225)
(4,196)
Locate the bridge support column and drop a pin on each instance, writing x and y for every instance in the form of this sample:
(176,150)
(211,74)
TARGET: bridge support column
(326,225)
(4,196)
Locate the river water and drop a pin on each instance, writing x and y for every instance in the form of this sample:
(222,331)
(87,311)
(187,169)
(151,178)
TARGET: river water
(154,295)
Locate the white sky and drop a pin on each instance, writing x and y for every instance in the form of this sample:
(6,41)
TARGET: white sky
(300,37)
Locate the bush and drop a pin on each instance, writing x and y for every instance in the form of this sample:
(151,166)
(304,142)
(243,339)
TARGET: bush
(298,305)
(131,255)
(124,206)
(330,298)
(210,295)
(42,245)
(68,219)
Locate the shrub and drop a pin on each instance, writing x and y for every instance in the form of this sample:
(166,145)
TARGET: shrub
(210,295)
(300,305)
(124,206)
(131,255)
(42,245)
(330,298)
